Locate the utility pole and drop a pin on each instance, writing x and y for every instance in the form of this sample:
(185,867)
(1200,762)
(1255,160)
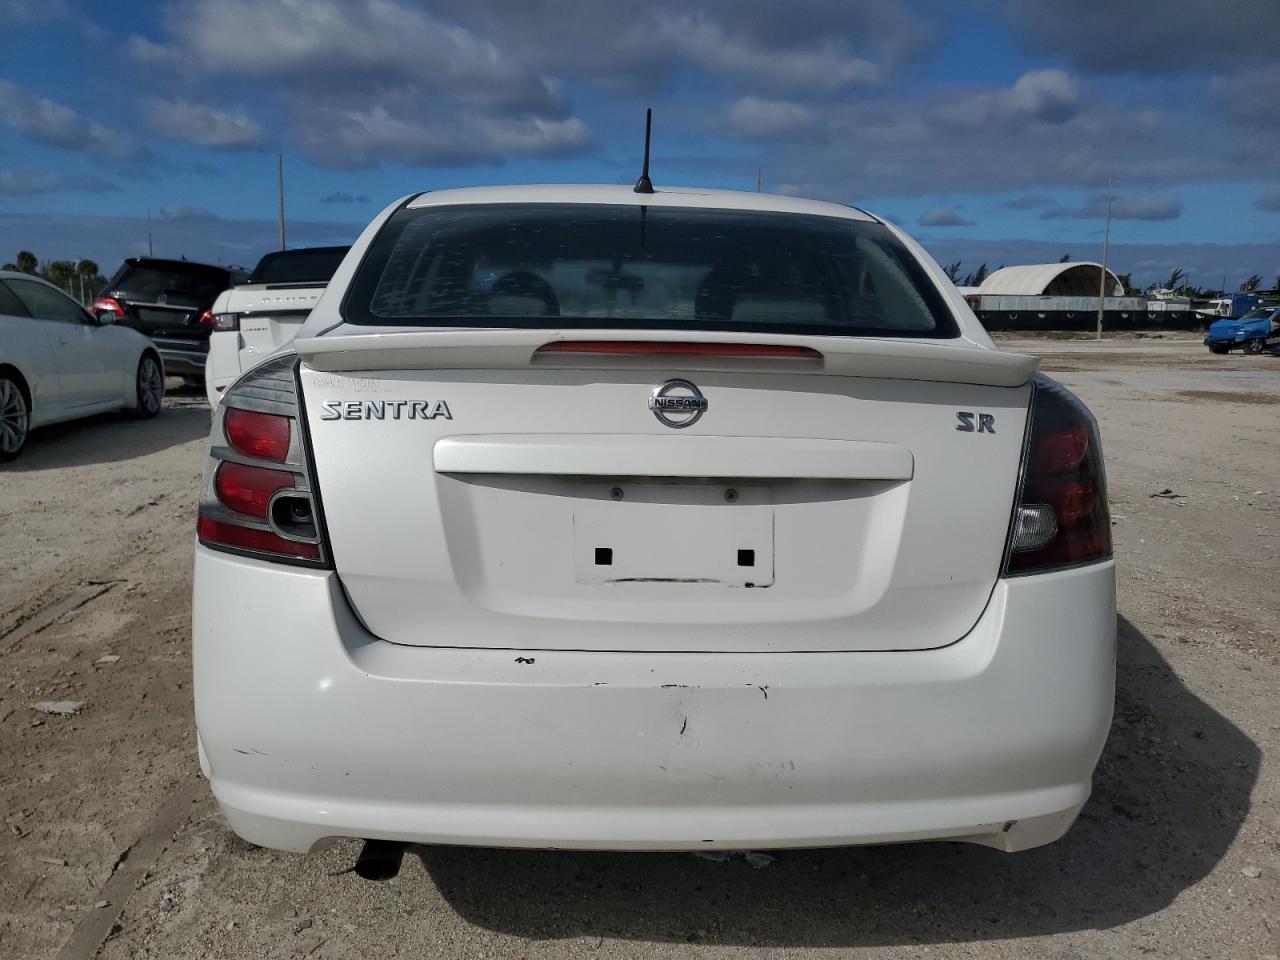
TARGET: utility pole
(1102,281)
(280,190)
(150,252)
(759,173)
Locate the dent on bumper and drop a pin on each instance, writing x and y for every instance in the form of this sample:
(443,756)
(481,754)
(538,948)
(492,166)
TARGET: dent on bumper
(311,728)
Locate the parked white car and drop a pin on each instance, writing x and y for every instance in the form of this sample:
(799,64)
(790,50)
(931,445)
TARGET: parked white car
(576,517)
(59,362)
(251,320)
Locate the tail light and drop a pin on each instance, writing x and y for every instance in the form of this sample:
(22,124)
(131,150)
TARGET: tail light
(107,304)
(1060,518)
(259,497)
(226,321)
(205,319)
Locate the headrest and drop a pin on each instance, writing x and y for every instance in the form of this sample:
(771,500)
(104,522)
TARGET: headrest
(511,305)
(771,310)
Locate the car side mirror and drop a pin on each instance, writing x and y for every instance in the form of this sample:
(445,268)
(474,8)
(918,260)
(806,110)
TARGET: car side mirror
(105,317)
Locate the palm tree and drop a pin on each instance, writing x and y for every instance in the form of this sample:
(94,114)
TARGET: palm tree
(1252,284)
(59,273)
(1175,279)
(27,261)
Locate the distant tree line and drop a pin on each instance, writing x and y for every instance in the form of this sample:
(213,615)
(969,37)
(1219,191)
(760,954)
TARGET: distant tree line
(973,278)
(79,278)
(1177,284)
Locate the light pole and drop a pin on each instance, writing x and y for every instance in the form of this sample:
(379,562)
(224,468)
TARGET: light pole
(1102,281)
(280,191)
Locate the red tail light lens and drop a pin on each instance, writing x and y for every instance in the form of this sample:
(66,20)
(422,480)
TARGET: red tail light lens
(1061,517)
(213,532)
(206,319)
(107,304)
(259,497)
(246,489)
(261,435)
(1061,451)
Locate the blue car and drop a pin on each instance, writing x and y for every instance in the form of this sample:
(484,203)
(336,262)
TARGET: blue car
(1252,333)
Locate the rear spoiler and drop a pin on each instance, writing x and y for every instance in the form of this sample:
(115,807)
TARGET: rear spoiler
(488,349)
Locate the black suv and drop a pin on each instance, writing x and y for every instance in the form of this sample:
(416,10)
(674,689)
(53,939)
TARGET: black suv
(169,301)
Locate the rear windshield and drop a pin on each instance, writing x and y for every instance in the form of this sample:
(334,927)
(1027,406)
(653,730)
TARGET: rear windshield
(648,268)
(298,266)
(146,281)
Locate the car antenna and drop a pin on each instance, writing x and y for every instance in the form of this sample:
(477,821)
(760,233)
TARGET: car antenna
(644,184)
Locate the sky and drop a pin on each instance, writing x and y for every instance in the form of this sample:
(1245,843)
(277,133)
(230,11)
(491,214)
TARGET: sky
(989,129)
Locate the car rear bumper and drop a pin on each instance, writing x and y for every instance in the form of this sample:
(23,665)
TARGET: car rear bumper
(182,358)
(222,367)
(311,728)
(182,363)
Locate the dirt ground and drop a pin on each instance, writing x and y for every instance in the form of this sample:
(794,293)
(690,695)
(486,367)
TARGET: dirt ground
(112,847)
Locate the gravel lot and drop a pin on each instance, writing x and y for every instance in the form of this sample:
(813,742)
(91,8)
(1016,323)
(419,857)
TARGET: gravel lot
(110,835)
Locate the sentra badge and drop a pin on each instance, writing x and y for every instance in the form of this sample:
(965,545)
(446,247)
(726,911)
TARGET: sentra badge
(385,410)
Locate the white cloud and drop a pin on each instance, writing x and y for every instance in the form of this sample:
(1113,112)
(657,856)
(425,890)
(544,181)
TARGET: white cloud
(16,184)
(179,211)
(203,125)
(146,52)
(1122,208)
(335,46)
(819,67)
(56,125)
(800,48)
(943,217)
(404,132)
(758,119)
(1028,201)
(1039,96)
(360,82)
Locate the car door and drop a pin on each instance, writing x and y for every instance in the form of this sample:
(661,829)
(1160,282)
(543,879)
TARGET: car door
(88,368)
(29,344)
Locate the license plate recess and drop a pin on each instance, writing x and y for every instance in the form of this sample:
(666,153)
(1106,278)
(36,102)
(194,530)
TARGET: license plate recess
(715,534)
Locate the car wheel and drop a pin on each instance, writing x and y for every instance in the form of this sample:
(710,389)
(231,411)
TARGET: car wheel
(150,387)
(1253,346)
(15,417)
(1218,348)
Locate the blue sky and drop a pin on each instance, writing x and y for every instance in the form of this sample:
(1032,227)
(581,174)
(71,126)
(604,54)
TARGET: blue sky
(991,121)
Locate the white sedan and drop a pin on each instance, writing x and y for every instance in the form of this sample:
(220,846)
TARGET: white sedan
(59,362)
(578,517)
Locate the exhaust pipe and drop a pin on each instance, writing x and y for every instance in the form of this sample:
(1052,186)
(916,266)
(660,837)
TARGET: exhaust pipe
(379,860)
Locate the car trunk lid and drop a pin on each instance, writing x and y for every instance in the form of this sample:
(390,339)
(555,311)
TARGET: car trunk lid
(482,490)
(268,315)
